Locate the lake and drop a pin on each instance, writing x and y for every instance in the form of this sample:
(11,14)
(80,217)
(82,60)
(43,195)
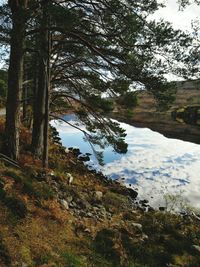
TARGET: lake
(154,165)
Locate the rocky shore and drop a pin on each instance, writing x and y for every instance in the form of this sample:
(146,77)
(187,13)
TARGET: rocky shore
(68,215)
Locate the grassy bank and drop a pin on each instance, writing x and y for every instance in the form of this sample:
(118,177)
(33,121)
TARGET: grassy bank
(70,216)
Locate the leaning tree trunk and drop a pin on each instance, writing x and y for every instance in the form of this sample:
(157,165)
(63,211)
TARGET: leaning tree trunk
(15,79)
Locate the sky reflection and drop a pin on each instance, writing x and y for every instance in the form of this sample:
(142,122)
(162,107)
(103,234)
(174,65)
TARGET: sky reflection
(154,164)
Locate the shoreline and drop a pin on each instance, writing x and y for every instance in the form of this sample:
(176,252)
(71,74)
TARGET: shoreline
(170,129)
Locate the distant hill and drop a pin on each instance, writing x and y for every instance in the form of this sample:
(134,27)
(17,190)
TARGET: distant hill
(189,85)
(147,115)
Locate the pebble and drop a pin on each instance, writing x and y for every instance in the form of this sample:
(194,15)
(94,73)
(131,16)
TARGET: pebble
(197,248)
(137,225)
(64,204)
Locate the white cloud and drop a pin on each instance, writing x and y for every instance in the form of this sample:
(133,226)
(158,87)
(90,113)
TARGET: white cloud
(180,19)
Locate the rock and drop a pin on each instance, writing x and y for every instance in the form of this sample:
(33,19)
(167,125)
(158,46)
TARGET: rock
(162,208)
(87,231)
(137,225)
(83,204)
(96,208)
(144,237)
(69,199)
(64,204)
(84,158)
(133,194)
(197,248)
(76,151)
(98,195)
(144,201)
(67,150)
(70,178)
(41,176)
(89,214)
(51,173)
(150,209)
(71,205)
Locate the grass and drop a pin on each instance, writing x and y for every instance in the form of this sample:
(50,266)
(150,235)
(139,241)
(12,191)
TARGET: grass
(41,233)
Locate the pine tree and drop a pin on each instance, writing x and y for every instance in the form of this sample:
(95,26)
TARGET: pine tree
(98,48)
(15,77)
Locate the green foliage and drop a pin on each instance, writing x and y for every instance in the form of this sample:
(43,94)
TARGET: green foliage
(40,190)
(71,259)
(16,206)
(103,104)
(129,114)
(164,94)
(128,100)
(13,174)
(104,245)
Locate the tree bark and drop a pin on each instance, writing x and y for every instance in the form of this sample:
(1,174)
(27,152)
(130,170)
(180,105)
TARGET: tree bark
(41,110)
(15,80)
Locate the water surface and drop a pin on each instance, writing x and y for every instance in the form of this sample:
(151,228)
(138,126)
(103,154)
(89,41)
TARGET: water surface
(154,164)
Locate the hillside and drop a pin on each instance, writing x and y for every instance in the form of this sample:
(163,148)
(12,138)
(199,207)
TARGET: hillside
(146,114)
(68,216)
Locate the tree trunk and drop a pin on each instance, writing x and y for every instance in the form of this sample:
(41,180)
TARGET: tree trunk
(41,110)
(15,79)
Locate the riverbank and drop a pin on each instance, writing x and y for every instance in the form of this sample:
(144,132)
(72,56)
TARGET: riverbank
(167,127)
(68,215)
(146,115)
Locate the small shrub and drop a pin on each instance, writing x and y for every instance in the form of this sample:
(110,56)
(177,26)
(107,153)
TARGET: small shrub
(25,254)
(114,200)
(16,206)
(13,175)
(129,114)
(71,259)
(40,190)
(104,245)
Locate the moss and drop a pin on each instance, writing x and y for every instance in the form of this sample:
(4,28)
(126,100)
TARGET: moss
(71,260)
(16,206)
(40,190)
(104,245)
(25,255)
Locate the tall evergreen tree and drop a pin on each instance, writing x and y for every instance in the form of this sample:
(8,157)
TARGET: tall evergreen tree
(15,77)
(99,48)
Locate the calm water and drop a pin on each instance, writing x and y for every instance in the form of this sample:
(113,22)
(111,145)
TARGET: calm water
(155,165)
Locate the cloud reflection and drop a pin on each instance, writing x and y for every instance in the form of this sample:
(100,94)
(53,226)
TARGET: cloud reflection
(154,164)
